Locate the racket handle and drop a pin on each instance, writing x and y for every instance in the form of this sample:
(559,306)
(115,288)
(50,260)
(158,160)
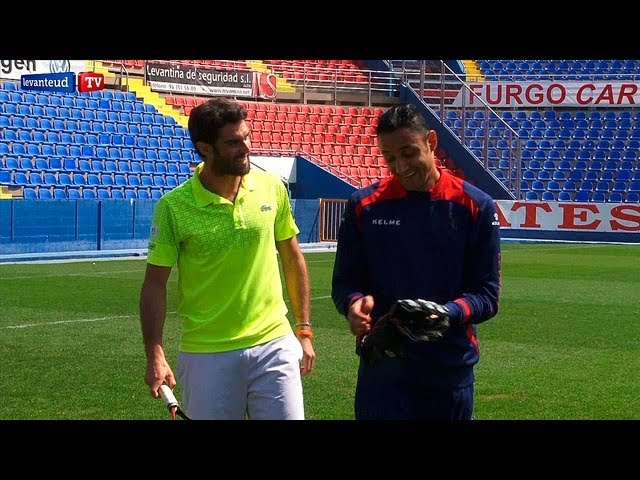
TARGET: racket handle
(168,397)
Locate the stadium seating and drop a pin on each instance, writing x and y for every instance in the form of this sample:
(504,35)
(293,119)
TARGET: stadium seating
(70,128)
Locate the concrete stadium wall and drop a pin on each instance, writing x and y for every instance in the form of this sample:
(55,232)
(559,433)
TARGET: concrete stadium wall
(45,226)
(36,226)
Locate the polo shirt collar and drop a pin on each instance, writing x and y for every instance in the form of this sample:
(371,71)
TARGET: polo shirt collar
(204,197)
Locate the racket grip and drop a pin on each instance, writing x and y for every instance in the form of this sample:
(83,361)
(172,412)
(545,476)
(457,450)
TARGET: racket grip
(168,397)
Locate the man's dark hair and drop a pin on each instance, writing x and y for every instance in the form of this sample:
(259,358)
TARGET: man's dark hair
(399,116)
(209,117)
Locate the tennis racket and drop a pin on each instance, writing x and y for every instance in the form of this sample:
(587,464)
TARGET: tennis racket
(171,402)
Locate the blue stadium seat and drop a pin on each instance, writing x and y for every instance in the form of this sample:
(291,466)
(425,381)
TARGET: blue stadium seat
(29,193)
(537,186)
(84,165)
(582,196)
(41,163)
(544,176)
(103,193)
(171,181)
(591,175)
(44,193)
(607,176)
(120,181)
(143,194)
(93,179)
(534,164)
(618,145)
(531,196)
(117,194)
(553,186)
(595,165)
(632,197)
(548,196)
(564,166)
(615,197)
(130,193)
(106,180)
(133,180)
(10,108)
(624,175)
(564,196)
(146,180)
(570,186)
(602,186)
(73,193)
(122,166)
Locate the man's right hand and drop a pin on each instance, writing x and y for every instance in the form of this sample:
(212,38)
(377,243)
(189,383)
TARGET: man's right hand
(359,315)
(158,372)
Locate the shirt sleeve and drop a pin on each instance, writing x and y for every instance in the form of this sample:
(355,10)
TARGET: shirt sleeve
(483,267)
(285,225)
(163,246)
(349,276)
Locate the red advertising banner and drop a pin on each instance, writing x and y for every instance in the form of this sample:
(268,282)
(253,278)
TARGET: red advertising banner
(569,216)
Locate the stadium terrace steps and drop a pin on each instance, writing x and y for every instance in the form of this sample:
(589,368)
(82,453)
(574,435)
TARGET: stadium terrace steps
(472,71)
(5,193)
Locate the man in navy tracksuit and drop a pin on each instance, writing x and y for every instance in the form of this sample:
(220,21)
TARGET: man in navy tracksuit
(419,233)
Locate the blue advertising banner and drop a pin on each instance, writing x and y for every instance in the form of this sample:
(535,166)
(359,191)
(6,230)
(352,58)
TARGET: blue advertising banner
(49,82)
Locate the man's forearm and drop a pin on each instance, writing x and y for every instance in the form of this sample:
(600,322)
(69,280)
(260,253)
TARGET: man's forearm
(297,282)
(153,310)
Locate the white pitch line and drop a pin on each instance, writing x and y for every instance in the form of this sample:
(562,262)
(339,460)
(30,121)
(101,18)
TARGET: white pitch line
(72,274)
(99,319)
(79,320)
(51,275)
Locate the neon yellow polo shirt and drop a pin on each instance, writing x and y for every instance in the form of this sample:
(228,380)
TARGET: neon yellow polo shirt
(229,287)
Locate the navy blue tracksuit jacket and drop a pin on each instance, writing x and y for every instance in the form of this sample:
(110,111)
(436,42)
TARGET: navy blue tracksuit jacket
(442,245)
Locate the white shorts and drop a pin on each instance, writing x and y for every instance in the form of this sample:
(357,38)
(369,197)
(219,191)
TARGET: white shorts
(256,383)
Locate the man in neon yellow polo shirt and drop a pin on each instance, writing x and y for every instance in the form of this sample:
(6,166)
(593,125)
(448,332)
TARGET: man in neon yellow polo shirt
(239,356)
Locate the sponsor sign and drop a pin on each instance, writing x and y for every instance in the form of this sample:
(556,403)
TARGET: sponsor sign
(585,94)
(49,82)
(571,218)
(201,80)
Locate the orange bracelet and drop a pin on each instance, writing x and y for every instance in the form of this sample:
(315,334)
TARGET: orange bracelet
(306,333)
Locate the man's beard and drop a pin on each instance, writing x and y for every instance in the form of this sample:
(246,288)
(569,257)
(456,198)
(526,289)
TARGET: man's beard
(225,166)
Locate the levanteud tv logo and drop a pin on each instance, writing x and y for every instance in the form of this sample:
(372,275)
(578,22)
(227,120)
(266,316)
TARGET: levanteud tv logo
(90,82)
(63,82)
(49,82)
